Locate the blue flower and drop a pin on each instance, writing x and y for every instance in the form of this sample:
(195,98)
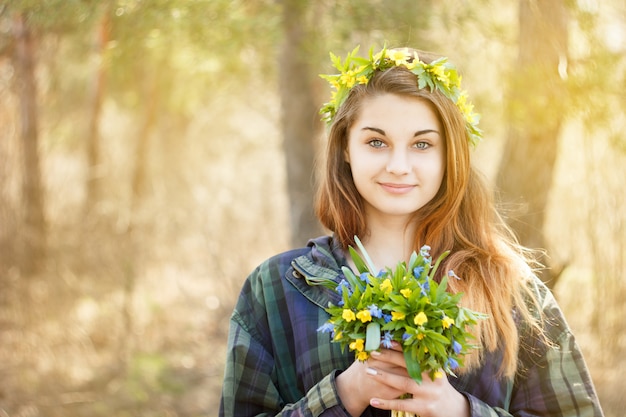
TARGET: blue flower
(381,273)
(387,339)
(424,287)
(451,274)
(452,363)
(417,271)
(375,311)
(425,251)
(326,328)
(387,318)
(365,277)
(456,346)
(343,284)
(405,336)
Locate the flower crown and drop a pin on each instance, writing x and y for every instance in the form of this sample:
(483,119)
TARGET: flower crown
(439,74)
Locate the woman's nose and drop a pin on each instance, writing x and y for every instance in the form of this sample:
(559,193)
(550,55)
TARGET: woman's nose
(398,162)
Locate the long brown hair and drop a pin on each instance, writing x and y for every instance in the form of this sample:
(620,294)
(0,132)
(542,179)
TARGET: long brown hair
(462,218)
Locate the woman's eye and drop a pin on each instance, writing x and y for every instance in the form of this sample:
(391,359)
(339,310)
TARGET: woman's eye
(376,143)
(422,145)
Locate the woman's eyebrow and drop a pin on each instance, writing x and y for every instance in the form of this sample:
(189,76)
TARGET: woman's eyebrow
(425,131)
(418,133)
(375,129)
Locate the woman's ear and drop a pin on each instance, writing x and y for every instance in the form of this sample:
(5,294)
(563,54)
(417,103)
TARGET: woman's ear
(346,156)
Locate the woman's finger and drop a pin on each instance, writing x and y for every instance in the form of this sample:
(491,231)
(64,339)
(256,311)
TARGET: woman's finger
(389,356)
(396,378)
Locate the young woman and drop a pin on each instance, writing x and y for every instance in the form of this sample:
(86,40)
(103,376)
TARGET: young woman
(398,175)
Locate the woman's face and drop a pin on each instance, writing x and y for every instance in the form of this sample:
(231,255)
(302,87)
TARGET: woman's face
(396,153)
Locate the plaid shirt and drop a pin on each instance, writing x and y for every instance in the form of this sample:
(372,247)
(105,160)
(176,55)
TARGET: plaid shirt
(279,364)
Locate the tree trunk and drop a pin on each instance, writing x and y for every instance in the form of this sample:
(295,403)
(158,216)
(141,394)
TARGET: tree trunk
(300,121)
(34,243)
(535,115)
(93,178)
(140,171)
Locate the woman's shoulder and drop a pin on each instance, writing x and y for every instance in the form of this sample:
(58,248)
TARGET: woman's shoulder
(320,252)
(281,276)
(550,322)
(541,299)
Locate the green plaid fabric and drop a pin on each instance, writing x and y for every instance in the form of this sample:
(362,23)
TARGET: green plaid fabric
(279,364)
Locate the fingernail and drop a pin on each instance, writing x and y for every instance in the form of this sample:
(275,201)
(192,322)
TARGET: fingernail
(374,402)
(375,353)
(371,371)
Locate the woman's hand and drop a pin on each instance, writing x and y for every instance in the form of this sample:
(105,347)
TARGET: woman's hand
(356,387)
(381,380)
(429,399)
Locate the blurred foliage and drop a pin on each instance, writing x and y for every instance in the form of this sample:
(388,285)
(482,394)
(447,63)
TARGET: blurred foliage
(129,316)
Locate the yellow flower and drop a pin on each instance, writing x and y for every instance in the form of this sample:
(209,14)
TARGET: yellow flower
(348,79)
(462,102)
(338,335)
(364,316)
(406,292)
(466,108)
(386,285)
(348,315)
(399,56)
(440,73)
(396,316)
(362,356)
(420,336)
(420,319)
(414,62)
(447,322)
(357,345)
(438,374)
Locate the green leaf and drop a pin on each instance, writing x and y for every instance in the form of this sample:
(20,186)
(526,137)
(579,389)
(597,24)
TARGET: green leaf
(336,61)
(433,270)
(372,337)
(413,366)
(324,282)
(441,288)
(366,256)
(399,303)
(438,349)
(352,279)
(412,262)
(436,337)
(361,266)
(398,275)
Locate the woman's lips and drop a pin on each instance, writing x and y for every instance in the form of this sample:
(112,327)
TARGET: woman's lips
(394,188)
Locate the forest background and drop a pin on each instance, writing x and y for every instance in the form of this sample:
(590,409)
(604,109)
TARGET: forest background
(153,152)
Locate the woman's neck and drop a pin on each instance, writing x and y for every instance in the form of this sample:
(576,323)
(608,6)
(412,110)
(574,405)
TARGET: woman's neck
(387,244)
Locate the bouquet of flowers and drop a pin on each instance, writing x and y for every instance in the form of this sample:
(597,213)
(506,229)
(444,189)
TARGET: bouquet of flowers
(406,305)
